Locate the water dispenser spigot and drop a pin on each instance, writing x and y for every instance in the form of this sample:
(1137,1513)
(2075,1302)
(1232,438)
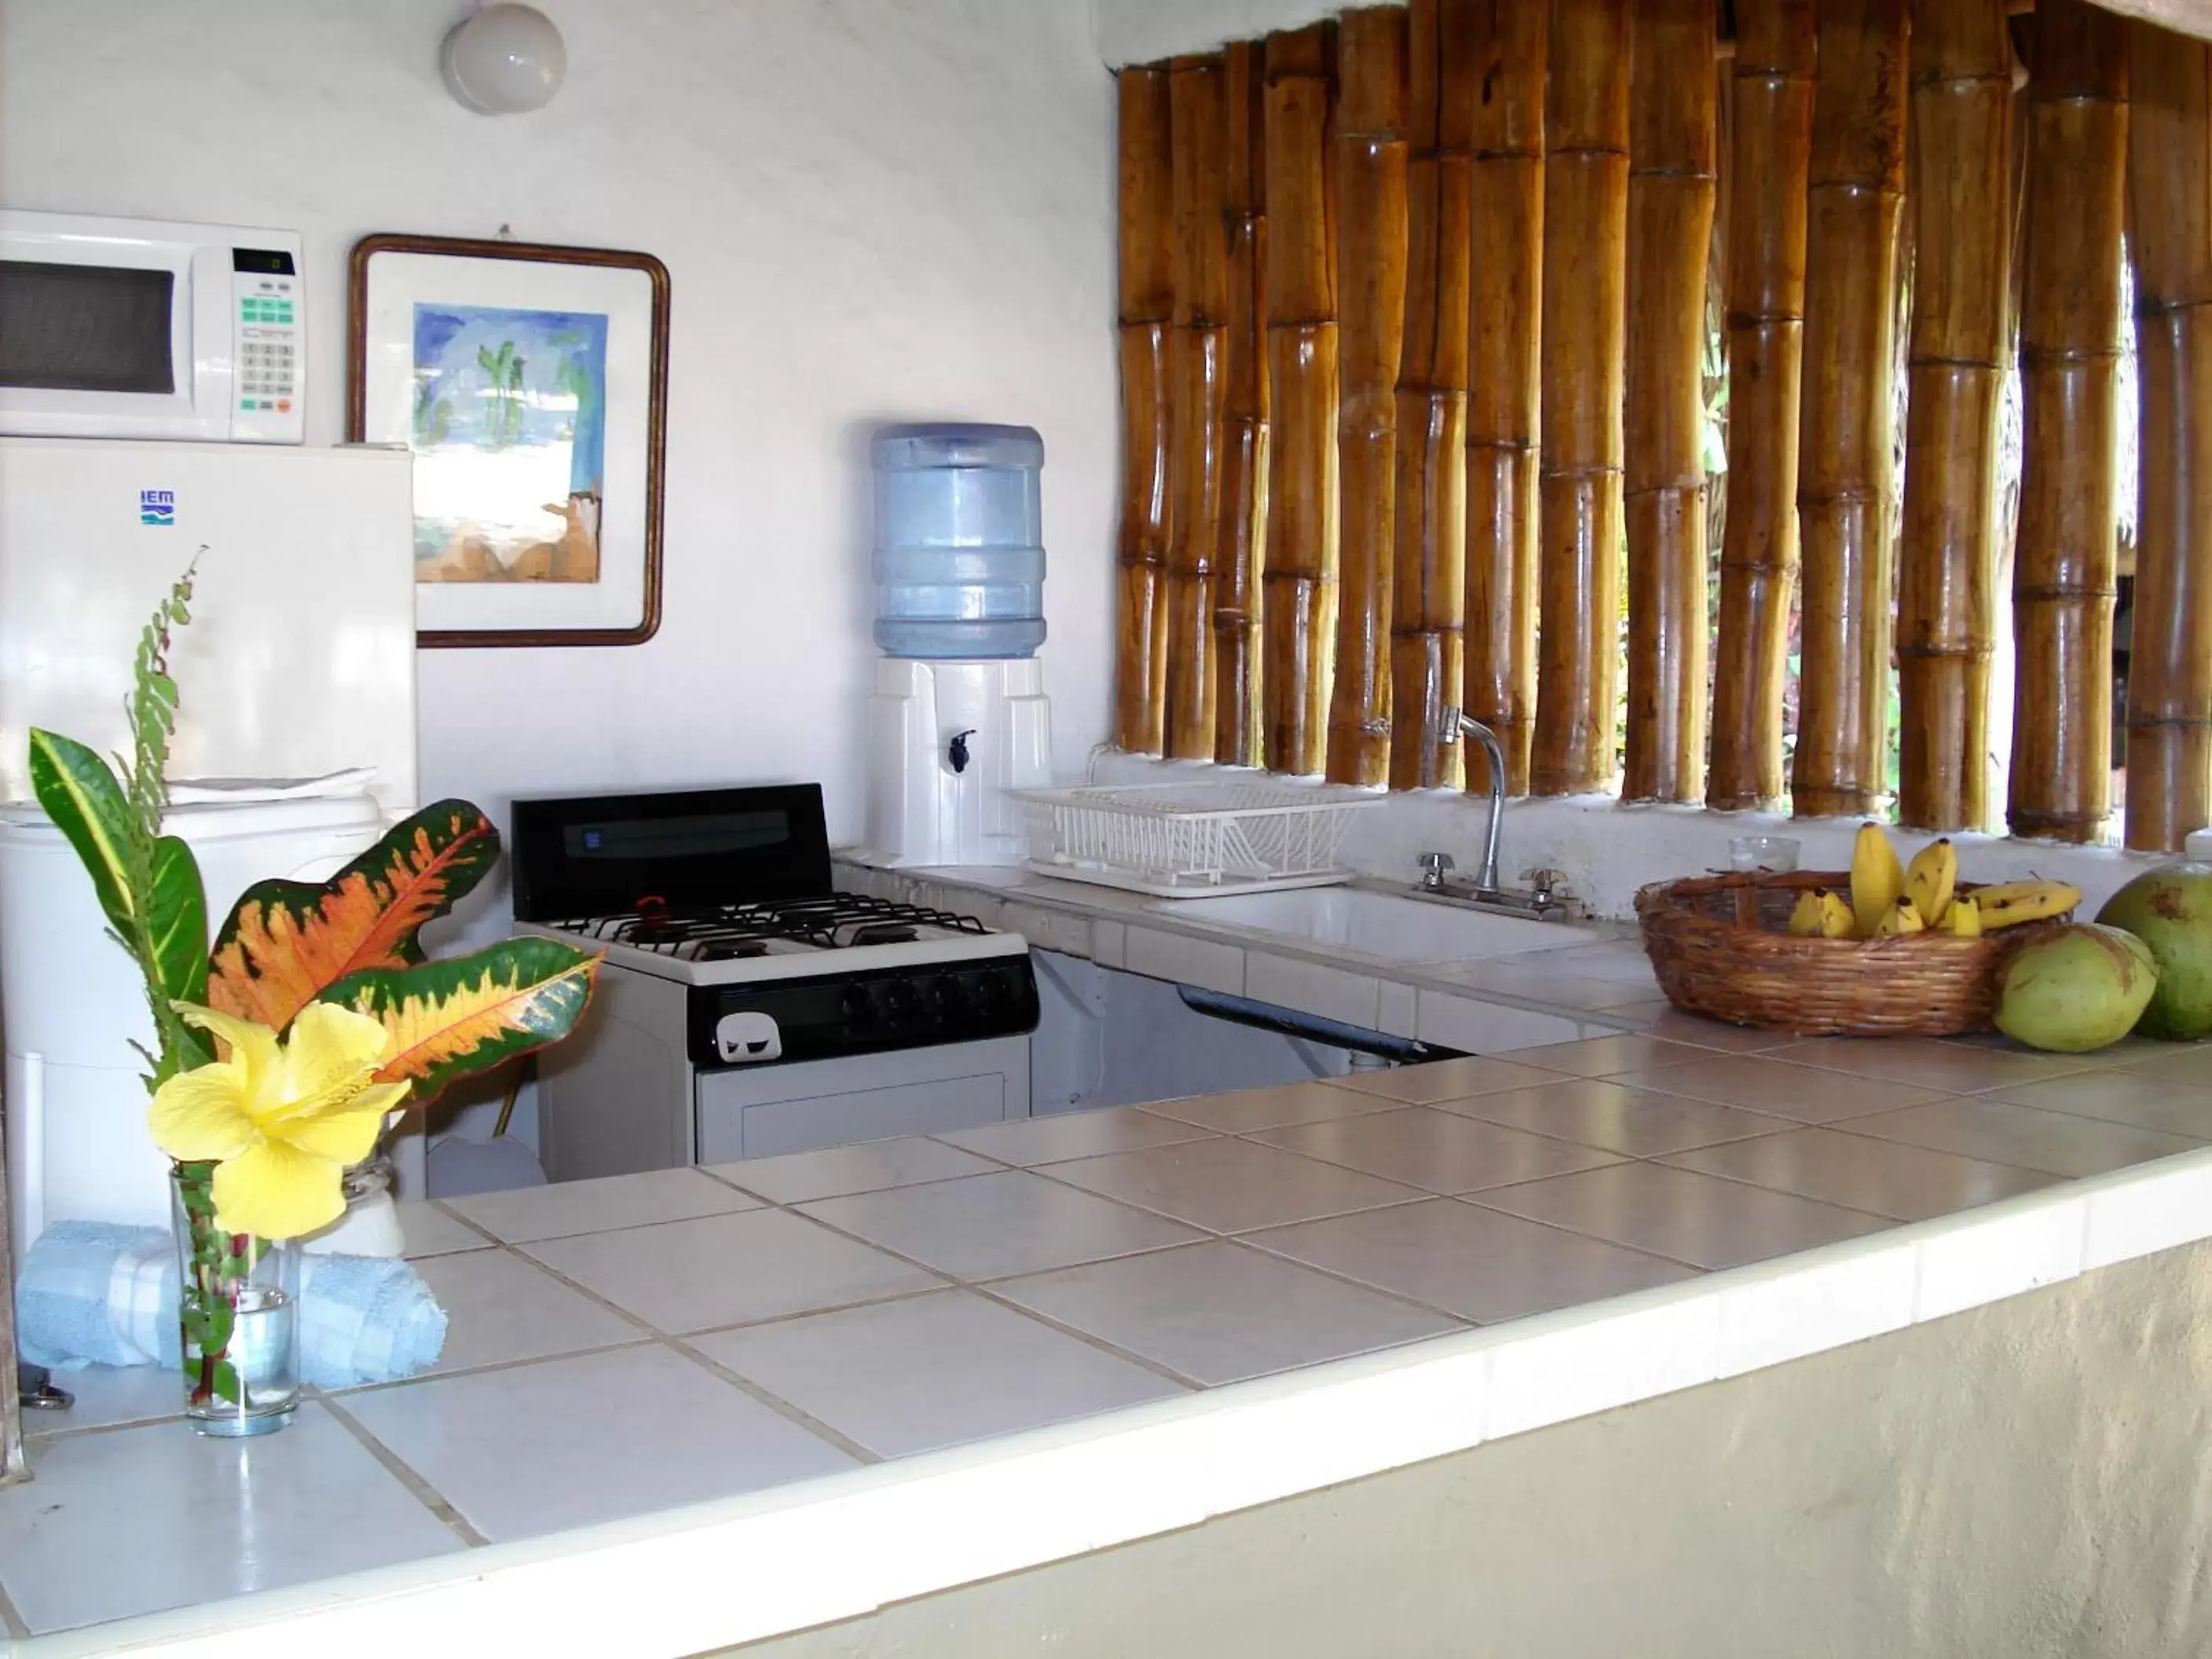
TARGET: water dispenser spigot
(955,752)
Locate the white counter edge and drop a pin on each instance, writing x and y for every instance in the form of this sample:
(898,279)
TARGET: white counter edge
(746,1568)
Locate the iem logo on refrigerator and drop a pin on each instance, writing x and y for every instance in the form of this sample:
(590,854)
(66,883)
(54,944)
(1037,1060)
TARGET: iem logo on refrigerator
(157,507)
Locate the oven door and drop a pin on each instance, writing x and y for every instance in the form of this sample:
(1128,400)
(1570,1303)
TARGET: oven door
(764,1111)
(112,329)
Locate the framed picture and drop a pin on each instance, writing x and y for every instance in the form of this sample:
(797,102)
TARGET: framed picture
(530,382)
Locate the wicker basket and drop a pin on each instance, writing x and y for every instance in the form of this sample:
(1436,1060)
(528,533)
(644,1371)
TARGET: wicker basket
(1720,947)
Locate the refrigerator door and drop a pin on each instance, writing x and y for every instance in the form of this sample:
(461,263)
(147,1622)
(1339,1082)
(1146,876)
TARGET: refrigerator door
(300,659)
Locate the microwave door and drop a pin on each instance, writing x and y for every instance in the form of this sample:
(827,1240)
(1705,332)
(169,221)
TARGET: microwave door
(117,338)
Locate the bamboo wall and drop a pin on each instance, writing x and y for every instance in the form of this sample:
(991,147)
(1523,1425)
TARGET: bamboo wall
(1416,360)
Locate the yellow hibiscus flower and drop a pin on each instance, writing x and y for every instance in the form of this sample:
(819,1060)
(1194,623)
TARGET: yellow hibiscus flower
(281,1118)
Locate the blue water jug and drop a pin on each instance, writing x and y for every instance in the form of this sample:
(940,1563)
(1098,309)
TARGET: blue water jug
(959,556)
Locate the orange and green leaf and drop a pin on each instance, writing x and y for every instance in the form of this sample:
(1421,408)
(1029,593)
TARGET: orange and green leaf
(452,1018)
(287,942)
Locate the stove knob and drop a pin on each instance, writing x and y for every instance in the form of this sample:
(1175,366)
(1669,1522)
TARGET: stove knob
(854,1005)
(896,997)
(991,992)
(947,997)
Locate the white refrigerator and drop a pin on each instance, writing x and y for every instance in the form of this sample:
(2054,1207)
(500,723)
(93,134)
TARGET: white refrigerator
(298,664)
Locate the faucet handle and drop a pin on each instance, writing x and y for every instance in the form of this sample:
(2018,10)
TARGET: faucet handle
(1447,719)
(1433,866)
(1546,885)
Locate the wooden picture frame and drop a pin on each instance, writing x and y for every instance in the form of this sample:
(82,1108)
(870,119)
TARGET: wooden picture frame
(538,463)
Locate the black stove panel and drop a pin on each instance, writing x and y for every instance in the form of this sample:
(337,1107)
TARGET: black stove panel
(863,1013)
(676,850)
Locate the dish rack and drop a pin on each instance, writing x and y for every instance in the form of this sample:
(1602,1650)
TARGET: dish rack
(1191,840)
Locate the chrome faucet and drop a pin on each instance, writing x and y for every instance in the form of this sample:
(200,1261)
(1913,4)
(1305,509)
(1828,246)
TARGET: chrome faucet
(1457,725)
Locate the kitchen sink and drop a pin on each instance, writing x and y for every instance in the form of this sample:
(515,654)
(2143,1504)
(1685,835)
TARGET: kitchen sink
(1389,926)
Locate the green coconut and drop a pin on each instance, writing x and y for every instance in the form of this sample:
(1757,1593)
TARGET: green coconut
(2076,989)
(2171,911)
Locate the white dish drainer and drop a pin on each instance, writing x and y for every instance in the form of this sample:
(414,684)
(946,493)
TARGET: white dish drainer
(1192,839)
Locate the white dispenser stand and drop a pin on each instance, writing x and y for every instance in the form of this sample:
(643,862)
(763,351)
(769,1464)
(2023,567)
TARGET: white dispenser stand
(947,739)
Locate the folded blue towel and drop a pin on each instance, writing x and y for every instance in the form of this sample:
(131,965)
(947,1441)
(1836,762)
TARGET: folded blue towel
(94,1292)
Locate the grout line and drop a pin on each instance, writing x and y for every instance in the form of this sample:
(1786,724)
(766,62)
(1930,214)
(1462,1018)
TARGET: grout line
(775,1402)
(452,1214)
(1090,1340)
(423,1492)
(1365,1285)
(12,1622)
(485,1369)
(85,1430)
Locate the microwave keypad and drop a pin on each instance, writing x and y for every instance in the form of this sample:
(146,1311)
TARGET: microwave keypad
(268,346)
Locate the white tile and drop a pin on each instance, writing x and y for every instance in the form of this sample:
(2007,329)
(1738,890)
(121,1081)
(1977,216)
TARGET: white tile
(1110,943)
(1445,1079)
(2155,1210)
(2057,1143)
(1312,988)
(1760,1083)
(2185,1062)
(727,1269)
(110,1394)
(1264,1108)
(1059,1136)
(1472,1262)
(989,1225)
(1229,1186)
(1987,1259)
(1955,1067)
(427,1230)
(1204,962)
(1634,1123)
(1699,1219)
(1766,1320)
(1487,1027)
(499,1307)
(1217,1312)
(1608,1056)
(1576,1367)
(1622,962)
(798,1176)
(1886,1177)
(2147,1099)
(157,1516)
(1547,983)
(931,1370)
(526,1213)
(1397,1011)
(1699,1032)
(1437,1151)
(571,1441)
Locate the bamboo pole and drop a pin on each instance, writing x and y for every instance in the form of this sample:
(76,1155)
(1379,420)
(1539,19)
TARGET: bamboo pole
(1584,281)
(1299,585)
(1768,161)
(1370,265)
(1673,140)
(2063,576)
(1197,148)
(1429,576)
(1961,202)
(2170,232)
(1506,300)
(1243,543)
(1147,308)
(1854,206)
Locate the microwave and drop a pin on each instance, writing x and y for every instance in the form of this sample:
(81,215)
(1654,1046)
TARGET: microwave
(139,328)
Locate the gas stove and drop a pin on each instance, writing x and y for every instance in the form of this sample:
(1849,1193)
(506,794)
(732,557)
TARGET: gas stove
(745,1007)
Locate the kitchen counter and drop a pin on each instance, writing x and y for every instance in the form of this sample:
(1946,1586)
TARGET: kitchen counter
(701,1406)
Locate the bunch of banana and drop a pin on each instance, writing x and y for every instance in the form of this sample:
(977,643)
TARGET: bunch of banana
(1890,900)
(1820,914)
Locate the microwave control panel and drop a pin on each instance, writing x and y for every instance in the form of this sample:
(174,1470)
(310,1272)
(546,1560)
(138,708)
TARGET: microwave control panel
(268,348)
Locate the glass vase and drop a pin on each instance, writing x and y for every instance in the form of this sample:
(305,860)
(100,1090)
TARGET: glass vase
(237,1313)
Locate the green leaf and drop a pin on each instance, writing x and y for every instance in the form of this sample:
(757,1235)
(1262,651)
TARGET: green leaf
(176,922)
(225,1382)
(451,1019)
(83,797)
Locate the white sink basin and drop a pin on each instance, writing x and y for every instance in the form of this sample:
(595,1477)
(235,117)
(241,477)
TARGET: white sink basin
(1383,925)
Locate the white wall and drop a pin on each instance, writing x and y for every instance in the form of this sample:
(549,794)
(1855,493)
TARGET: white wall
(870,210)
(1139,31)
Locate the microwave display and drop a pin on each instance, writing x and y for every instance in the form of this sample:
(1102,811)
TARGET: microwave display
(85,328)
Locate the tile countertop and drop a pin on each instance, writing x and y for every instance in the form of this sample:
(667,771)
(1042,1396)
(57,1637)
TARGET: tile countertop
(1595,985)
(830,1379)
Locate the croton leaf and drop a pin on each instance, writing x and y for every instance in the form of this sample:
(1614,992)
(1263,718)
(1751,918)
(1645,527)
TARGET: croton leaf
(83,798)
(177,921)
(454,1018)
(289,941)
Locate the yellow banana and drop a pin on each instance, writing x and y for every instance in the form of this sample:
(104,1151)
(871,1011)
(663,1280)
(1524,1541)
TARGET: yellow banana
(1900,919)
(2010,903)
(1966,918)
(1930,878)
(1877,878)
(1805,914)
(1836,920)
